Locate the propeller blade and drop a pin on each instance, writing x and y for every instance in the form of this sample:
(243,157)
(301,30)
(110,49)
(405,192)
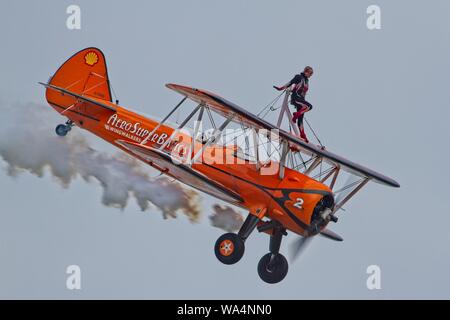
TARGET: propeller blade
(331,235)
(298,246)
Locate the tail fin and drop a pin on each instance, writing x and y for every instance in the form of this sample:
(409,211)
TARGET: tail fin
(84,73)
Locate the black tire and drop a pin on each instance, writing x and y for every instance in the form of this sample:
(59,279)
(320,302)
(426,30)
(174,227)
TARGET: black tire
(61,130)
(277,271)
(237,248)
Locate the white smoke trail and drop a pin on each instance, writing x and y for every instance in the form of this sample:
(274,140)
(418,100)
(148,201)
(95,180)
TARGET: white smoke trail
(226,218)
(28,143)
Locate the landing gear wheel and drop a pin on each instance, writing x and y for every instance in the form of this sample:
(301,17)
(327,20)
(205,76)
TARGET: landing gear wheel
(273,270)
(62,130)
(229,248)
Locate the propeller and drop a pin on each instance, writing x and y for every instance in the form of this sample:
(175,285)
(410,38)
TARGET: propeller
(331,235)
(298,246)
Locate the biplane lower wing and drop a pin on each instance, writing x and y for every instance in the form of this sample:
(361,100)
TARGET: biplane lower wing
(181,172)
(225,108)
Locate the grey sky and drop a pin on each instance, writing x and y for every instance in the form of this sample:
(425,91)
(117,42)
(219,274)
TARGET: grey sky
(380,98)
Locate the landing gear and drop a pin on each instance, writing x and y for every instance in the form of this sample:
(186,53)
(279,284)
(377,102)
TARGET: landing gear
(63,129)
(230,247)
(273,267)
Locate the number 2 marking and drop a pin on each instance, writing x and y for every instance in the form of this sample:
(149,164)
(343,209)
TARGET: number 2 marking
(299,203)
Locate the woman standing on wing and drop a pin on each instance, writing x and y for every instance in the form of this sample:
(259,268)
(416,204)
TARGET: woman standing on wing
(300,84)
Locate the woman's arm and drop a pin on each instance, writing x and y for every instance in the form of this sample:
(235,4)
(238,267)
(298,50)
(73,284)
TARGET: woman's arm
(295,79)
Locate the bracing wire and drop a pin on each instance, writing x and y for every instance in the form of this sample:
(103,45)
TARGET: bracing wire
(269,106)
(313,132)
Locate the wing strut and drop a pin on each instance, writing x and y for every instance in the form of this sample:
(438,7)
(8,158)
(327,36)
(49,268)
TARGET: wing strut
(350,195)
(334,172)
(181,126)
(163,120)
(196,128)
(285,111)
(256,148)
(284,152)
(213,138)
(313,165)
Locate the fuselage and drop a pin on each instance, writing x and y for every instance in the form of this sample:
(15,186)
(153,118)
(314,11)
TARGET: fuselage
(290,200)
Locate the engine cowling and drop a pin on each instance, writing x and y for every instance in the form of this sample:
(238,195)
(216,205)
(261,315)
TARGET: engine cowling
(322,213)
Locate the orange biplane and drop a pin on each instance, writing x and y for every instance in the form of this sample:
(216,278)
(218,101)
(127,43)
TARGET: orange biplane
(283,182)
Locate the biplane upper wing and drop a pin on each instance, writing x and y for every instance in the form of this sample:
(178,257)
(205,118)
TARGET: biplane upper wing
(163,162)
(222,106)
(226,108)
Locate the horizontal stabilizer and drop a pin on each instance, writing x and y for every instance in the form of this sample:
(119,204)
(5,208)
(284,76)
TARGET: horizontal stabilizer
(80,97)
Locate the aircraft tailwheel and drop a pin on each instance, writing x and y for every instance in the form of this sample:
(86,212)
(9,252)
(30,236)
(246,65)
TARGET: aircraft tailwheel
(62,130)
(272,268)
(229,248)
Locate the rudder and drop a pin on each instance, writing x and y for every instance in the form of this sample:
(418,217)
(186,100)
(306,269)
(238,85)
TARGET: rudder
(84,73)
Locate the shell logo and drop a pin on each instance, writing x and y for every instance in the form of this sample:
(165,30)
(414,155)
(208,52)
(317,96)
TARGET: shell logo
(91,58)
